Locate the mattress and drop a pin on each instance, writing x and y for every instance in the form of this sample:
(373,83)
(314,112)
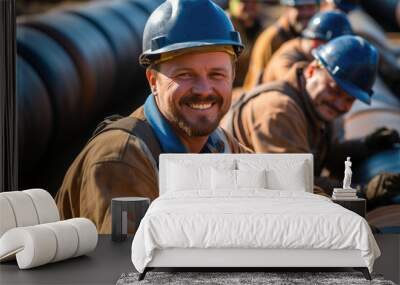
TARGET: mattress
(251,219)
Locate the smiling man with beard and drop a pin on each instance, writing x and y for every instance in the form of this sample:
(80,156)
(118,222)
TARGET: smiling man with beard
(296,115)
(190,66)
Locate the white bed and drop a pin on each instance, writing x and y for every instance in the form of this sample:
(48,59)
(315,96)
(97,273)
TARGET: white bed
(268,217)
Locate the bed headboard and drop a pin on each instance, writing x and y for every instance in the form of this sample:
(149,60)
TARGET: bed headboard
(285,163)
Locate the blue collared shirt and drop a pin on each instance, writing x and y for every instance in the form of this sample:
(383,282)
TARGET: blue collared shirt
(170,142)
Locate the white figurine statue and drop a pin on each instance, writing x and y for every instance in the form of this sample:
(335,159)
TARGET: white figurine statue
(347,174)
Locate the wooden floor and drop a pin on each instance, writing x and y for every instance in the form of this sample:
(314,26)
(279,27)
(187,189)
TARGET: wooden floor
(389,262)
(110,259)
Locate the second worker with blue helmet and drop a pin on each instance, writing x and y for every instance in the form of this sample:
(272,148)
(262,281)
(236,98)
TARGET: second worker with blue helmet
(322,28)
(296,114)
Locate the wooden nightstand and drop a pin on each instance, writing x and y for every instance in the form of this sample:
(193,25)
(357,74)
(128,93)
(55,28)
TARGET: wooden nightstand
(358,205)
(126,214)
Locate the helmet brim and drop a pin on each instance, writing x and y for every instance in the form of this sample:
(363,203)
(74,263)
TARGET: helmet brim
(294,3)
(346,86)
(313,35)
(153,55)
(353,90)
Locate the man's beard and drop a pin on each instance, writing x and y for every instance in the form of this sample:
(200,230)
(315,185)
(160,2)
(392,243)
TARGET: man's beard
(331,106)
(203,127)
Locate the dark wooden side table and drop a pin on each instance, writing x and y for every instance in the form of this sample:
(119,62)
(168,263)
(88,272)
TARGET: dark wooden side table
(358,205)
(127,212)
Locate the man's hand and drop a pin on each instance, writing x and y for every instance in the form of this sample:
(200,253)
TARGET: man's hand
(382,138)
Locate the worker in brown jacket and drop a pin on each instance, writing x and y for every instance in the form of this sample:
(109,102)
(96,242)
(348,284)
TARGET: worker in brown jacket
(190,71)
(322,28)
(287,27)
(245,17)
(296,115)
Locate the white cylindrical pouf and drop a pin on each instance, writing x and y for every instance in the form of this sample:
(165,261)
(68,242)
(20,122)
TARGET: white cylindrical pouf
(67,239)
(87,234)
(7,218)
(45,205)
(34,245)
(23,208)
(40,244)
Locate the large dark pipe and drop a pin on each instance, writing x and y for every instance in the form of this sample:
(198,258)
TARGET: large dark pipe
(386,12)
(90,51)
(35,116)
(134,15)
(124,42)
(386,218)
(85,57)
(59,75)
(384,111)
(362,120)
(148,6)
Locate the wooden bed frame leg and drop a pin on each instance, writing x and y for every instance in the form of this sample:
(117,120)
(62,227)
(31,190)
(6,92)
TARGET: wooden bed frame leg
(364,271)
(143,274)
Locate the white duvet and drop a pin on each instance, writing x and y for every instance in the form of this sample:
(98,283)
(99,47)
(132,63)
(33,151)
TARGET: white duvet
(250,219)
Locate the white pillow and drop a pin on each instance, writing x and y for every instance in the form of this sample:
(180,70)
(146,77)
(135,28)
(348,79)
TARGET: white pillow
(182,177)
(226,179)
(281,174)
(293,180)
(193,174)
(223,179)
(251,178)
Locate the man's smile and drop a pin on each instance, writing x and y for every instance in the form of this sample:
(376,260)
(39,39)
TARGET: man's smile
(200,106)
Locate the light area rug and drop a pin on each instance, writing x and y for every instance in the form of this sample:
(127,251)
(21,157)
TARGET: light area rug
(233,278)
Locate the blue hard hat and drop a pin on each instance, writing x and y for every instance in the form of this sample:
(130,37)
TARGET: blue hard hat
(345,5)
(182,24)
(299,2)
(352,62)
(327,26)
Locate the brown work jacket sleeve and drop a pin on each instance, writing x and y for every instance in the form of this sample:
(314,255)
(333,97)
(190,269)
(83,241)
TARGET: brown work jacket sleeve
(275,125)
(261,54)
(277,68)
(109,179)
(113,165)
(236,147)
